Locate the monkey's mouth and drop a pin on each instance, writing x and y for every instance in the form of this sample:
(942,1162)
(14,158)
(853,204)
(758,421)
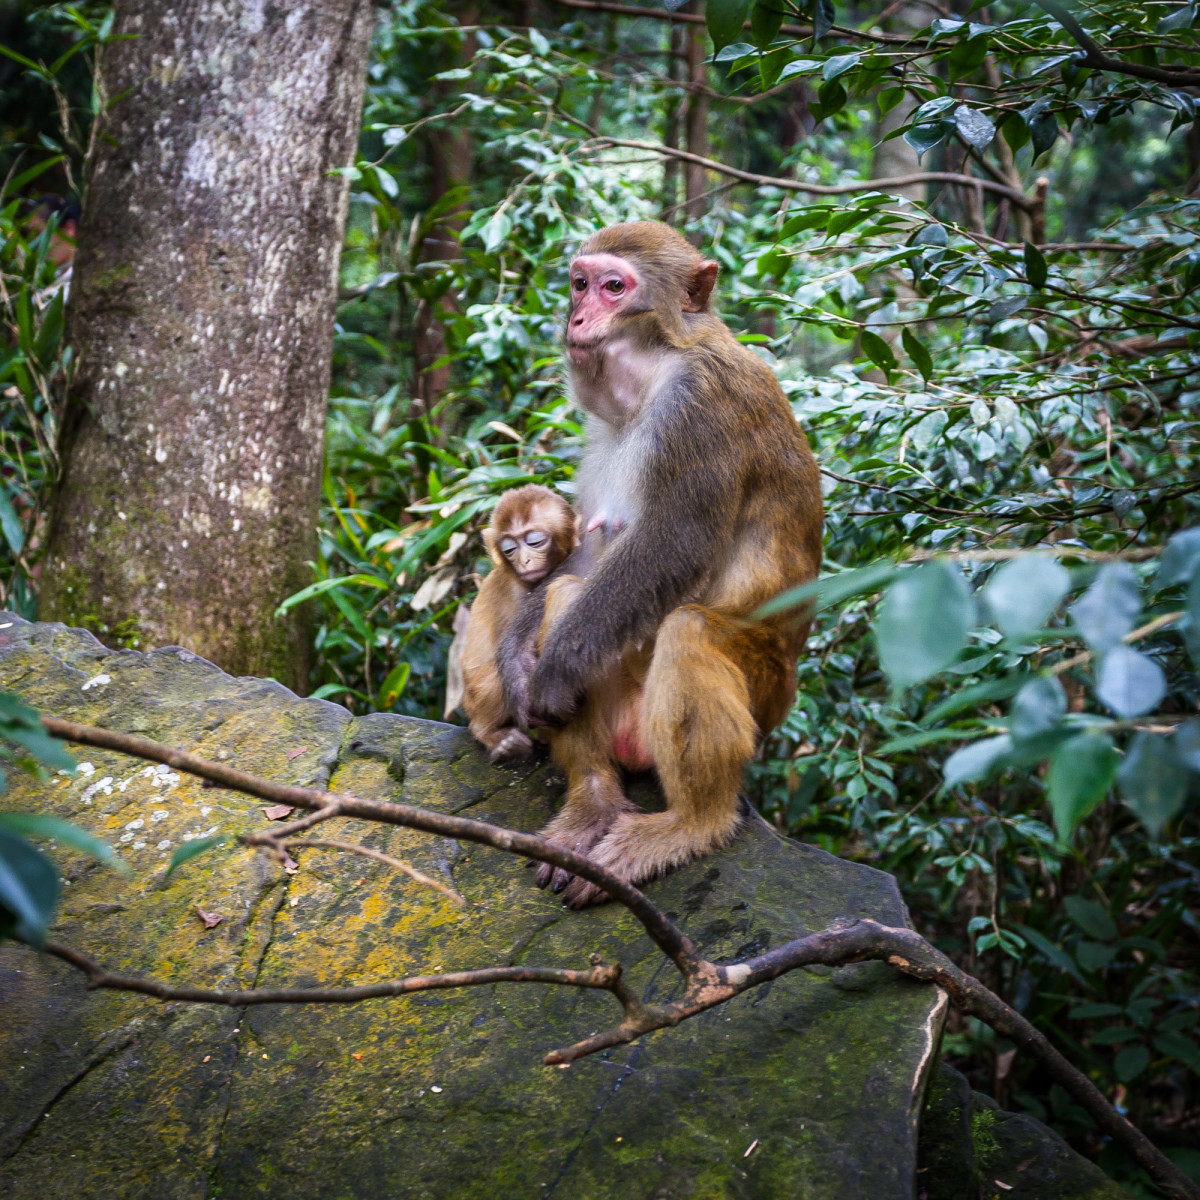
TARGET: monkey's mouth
(581,352)
(529,578)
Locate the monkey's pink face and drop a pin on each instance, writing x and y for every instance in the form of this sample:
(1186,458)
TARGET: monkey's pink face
(602,287)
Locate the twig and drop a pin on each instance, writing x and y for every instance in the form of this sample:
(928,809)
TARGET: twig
(1057,550)
(98,977)
(816,189)
(663,932)
(353,848)
(1134,635)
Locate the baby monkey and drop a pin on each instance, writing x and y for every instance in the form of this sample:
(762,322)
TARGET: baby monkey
(532,532)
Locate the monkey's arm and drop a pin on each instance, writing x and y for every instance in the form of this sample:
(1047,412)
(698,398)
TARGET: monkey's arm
(516,655)
(690,493)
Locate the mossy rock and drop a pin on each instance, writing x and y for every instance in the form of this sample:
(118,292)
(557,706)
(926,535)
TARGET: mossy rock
(806,1088)
(971,1150)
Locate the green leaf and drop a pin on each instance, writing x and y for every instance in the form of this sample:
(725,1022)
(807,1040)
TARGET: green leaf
(1181,18)
(923,138)
(1187,743)
(888,99)
(1086,1012)
(1131,1062)
(1106,612)
(1180,561)
(842,221)
(1082,770)
(979,693)
(974,127)
(921,357)
(823,15)
(1024,592)
(926,737)
(29,888)
(830,591)
(1039,706)
(1052,953)
(1175,1045)
(1043,131)
(878,351)
(29,64)
(1114,1035)
(1091,956)
(1035,266)
(192,849)
(1153,781)
(393,685)
(496,231)
(1094,919)
(976,761)
(37,825)
(325,585)
(839,64)
(1130,683)
(725,19)
(765,21)
(10,523)
(923,623)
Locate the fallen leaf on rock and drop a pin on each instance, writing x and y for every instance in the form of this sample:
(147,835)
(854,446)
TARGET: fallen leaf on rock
(206,1058)
(356,1057)
(278,811)
(290,865)
(295,752)
(211,920)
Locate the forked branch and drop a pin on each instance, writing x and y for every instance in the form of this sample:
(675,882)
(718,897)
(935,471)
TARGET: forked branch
(706,984)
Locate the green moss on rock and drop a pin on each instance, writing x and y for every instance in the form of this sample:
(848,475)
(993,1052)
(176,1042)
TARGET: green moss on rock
(807,1087)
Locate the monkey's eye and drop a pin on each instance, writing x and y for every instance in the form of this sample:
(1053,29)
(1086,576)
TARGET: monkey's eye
(615,286)
(508,547)
(535,539)
(579,283)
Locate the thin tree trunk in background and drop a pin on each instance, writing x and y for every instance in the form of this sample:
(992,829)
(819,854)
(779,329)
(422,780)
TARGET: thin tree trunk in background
(676,43)
(896,157)
(697,123)
(449,147)
(202,315)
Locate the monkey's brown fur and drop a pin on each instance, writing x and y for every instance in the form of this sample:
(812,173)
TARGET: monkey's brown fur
(522,511)
(724,512)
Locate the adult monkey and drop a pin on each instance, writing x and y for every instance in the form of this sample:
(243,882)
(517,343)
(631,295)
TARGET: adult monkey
(700,488)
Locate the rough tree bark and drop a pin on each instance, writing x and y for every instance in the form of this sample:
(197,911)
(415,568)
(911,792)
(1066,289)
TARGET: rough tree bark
(201,316)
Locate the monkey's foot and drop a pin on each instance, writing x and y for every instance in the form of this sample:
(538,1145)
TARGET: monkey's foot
(641,846)
(512,745)
(580,840)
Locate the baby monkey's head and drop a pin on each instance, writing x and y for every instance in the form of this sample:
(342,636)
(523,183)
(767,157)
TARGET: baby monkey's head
(532,531)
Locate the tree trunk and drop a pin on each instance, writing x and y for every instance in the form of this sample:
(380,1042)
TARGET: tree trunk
(201,316)
(695,176)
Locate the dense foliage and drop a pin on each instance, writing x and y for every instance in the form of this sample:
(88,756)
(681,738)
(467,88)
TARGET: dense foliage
(998,364)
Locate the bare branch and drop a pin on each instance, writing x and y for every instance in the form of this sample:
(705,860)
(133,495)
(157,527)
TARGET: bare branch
(1099,61)
(663,932)
(397,864)
(818,189)
(912,955)
(707,984)
(599,976)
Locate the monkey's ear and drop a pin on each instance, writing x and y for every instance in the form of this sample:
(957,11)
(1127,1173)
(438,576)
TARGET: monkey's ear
(701,286)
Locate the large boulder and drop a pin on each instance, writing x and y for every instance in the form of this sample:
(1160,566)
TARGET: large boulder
(808,1087)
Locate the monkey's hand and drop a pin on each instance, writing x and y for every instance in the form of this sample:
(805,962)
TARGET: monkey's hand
(554,693)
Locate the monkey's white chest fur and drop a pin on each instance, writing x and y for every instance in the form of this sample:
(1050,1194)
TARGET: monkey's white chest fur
(614,438)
